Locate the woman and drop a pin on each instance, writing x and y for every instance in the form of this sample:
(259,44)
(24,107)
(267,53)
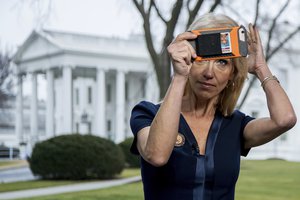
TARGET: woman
(191,143)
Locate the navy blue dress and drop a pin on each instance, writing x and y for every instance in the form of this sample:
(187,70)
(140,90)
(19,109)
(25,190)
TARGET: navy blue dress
(189,175)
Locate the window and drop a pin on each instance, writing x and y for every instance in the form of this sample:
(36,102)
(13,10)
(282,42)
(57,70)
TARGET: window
(54,98)
(77,96)
(110,136)
(108,125)
(77,127)
(90,95)
(126,91)
(108,93)
(89,127)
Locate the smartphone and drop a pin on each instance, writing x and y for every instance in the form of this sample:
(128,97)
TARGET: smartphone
(219,43)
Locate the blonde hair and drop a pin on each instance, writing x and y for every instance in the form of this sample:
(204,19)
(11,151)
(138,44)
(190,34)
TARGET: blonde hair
(229,96)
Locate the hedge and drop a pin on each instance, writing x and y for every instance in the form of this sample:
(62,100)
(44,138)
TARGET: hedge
(77,157)
(131,159)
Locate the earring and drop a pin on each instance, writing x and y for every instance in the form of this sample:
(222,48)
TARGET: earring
(230,84)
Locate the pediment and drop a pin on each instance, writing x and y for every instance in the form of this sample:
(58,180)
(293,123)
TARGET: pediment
(35,47)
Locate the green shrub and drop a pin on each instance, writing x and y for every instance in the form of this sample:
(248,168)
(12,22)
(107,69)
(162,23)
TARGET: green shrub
(76,157)
(131,160)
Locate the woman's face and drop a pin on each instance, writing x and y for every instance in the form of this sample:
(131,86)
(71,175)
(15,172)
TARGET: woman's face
(208,78)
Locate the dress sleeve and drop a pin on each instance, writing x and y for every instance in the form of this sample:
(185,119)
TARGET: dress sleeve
(142,116)
(245,121)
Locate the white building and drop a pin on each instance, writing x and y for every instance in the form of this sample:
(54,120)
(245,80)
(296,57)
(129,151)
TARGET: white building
(93,83)
(8,119)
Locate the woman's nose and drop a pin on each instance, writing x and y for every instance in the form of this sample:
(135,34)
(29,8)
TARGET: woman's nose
(208,72)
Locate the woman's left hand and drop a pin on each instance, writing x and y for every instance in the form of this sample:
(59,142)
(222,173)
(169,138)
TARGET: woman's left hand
(256,58)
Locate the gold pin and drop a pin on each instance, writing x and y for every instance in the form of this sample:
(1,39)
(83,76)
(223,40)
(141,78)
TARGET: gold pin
(180,140)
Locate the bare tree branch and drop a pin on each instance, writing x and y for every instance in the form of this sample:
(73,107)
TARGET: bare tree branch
(147,29)
(150,7)
(269,53)
(188,2)
(158,12)
(171,24)
(256,12)
(193,12)
(268,57)
(214,6)
(281,44)
(140,7)
(251,83)
(4,73)
(270,33)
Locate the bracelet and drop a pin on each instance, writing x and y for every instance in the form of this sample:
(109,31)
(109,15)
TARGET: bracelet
(268,78)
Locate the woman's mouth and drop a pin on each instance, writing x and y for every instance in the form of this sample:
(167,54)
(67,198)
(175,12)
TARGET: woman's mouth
(206,84)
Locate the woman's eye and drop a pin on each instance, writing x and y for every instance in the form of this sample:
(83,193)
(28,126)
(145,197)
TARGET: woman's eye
(222,62)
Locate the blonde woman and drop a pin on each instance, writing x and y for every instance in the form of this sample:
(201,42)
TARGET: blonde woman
(191,143)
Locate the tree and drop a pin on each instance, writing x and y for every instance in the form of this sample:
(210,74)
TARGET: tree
(272,30)
(160,58)
(4,73)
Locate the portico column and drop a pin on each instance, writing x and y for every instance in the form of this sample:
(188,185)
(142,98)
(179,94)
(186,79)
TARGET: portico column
(19,110)
(67,102)
(148,92)
(120,106)
(101,101)
(50,104)
(33,108)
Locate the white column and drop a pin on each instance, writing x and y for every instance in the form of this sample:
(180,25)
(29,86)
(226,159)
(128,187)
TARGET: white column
(34,109)
(149,89)
(101,101)
(19,110)
(120,107)
(67,102)
(50,104)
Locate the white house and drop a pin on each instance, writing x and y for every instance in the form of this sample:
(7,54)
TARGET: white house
(93,83)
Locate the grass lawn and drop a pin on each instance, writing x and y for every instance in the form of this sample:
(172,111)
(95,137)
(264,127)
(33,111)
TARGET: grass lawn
(11,163)
(259,180)
(269,180)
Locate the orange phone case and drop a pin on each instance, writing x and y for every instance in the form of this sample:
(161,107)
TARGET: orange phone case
(216,43)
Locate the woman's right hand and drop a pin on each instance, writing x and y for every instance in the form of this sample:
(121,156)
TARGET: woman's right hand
(181,53)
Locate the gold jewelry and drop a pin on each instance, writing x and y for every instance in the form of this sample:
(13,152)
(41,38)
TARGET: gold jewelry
(267,79)
(230,84)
